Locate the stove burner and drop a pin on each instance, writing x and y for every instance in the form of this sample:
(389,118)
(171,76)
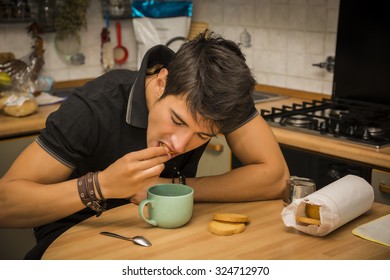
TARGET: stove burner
(350,122)
(298,121)
(338,113)
(375,132)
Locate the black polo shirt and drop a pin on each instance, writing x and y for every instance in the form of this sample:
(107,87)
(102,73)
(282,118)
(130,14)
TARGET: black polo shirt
(98,124)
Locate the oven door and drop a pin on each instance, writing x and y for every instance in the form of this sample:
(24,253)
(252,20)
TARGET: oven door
(325,169)
(321,168)
(381,183)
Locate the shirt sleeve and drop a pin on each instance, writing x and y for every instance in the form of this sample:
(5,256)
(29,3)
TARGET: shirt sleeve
(71,132)
(251,114)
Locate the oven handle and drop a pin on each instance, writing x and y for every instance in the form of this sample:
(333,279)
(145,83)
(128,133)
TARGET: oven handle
(384,188)
(218,148)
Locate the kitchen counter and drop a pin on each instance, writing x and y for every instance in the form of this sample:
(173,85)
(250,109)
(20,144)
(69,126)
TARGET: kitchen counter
(327,146)
(265,237)
(13,127)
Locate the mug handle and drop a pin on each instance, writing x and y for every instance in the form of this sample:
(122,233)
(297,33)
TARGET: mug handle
(141,211)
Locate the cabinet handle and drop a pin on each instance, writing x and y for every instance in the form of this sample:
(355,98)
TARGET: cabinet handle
(384,188)
(215,148)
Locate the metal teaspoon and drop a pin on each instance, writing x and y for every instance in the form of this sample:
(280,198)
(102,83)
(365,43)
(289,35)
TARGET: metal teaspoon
(139,240)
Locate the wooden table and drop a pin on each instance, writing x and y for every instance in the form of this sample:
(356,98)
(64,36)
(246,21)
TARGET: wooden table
(266,237)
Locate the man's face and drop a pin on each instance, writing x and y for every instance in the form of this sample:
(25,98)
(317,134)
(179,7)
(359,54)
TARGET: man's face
(171,124)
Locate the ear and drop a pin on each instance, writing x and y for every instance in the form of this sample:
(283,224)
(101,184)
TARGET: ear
(161,82)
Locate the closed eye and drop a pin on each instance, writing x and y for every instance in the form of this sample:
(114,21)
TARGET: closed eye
(177,122)
(203,136)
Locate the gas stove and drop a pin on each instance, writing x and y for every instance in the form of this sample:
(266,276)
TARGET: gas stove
(346,121)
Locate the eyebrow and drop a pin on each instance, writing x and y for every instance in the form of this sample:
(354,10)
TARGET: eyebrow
(180,119)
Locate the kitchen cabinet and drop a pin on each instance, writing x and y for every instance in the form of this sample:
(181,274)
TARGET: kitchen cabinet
(11,148)
(380,181)
(216,159)
(15,243)
(17,11)
(116,10)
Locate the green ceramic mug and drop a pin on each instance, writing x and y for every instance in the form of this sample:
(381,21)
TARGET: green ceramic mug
(169,205)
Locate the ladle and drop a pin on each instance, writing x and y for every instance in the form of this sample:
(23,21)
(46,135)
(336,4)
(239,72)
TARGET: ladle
(120,52)
(139,240)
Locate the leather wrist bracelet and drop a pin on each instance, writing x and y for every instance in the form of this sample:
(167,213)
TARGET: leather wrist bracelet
(86,188)
(96,180)
(102,202)
(83,193)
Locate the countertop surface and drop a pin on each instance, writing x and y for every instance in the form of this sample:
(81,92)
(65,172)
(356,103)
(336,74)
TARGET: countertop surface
(265,237)
(13,127)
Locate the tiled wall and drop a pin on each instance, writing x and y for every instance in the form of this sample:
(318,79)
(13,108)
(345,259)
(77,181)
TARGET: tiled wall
(287,37)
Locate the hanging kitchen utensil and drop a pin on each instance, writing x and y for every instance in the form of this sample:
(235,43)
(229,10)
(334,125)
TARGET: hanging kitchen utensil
(107,53)
(120,52)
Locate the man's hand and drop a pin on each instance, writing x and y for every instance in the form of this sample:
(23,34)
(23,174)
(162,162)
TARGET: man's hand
(133,173)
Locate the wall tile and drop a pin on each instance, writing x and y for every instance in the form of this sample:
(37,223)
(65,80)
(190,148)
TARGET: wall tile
(279,16)
(296,65)
(277,80)
(248,14)
(215,12)
(278,40)
(332,20)
(263,13)
(297,16)
(287,37)
(296,42)
(314,43)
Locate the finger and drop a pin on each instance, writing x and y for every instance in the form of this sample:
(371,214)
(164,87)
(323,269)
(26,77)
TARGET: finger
(152,152)
(153,171)
(152,162)
(134,201)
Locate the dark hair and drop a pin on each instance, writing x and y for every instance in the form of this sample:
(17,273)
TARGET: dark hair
(211,73)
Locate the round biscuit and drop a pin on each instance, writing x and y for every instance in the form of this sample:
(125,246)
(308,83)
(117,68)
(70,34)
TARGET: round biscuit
(312,211)
(231,217)
(308,221)
(225,228)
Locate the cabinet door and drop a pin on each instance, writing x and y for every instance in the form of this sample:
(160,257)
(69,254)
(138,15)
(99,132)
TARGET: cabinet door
(15,242)
(10,150)
(216,159)
(380,181)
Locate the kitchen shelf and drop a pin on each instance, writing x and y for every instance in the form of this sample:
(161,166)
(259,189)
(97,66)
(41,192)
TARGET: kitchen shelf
(16,20)
(11,12)
(107,9)
(32,16)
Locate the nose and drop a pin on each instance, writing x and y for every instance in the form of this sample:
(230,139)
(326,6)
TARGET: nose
(181,141)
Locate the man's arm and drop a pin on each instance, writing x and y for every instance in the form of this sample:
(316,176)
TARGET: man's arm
(262,176)
(36,189)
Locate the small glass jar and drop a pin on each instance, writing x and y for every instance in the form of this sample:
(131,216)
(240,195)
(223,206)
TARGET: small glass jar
(298,187)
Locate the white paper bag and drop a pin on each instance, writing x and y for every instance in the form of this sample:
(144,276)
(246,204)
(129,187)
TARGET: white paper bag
(340,202)
(158,22)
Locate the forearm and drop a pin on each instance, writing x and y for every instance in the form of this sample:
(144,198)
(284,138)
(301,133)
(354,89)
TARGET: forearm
(248,183)
(29,204)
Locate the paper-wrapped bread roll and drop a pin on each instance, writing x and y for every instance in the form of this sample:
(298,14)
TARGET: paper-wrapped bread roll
(336,203)
(18,104)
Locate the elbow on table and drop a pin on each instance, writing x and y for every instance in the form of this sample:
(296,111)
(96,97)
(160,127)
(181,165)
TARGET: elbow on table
(277,187)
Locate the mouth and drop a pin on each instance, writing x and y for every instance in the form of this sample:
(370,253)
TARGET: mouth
(165,146)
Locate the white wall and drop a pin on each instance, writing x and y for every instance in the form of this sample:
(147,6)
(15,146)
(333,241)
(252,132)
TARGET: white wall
(288,36)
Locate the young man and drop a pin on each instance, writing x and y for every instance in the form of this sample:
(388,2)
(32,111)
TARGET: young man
(141,128)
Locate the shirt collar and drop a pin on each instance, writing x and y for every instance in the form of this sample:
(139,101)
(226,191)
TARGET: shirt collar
(137,111)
